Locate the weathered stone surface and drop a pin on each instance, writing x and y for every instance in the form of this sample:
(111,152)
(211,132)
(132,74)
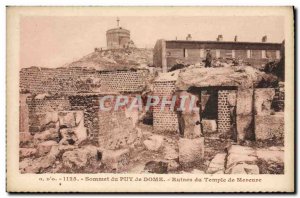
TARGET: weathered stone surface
(79,158)
(80,131)
(37,165)
(44,147)
(170,153)
(117,130)
(27,152)
(67,118)
(244,125)
(243,76)
(209,126)
(154,142)
(115,159)
(196,171)
(241,160)
(269,126)
(217,164)
(49,134)
(271,156)
(244,168)
(172,165)
(244,101)
(238,149)
(262,100)
(244,118)
(191,124)
(25,137)
(190,150)
(234,159)
(43,121)
(158,167)
(68,136)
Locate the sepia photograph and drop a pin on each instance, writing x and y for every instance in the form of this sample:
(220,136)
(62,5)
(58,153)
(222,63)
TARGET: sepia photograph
(167,97)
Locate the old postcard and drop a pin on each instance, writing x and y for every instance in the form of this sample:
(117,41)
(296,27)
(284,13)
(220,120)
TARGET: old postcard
(150,99)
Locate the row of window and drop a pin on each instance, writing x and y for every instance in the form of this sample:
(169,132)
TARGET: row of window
(217,53)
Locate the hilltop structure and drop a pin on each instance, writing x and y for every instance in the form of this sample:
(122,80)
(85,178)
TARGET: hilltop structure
(118,37)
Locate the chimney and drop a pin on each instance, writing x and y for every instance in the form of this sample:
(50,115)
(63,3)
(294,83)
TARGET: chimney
(235,38)
(220,37)
(264,39)
(189,37)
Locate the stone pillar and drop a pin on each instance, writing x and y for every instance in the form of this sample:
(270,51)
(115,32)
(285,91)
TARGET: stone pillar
(191,146)
(244,114)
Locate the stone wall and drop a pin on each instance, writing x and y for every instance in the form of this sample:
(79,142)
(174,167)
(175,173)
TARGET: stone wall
(73,80)
(58,80)
(165,120)
(123,81)
(40,109)
(224,117)
(90,106)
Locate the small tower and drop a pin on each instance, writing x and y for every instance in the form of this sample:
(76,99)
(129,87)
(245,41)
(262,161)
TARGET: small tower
(117,37)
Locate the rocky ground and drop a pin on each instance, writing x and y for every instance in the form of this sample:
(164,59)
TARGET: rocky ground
(151,153)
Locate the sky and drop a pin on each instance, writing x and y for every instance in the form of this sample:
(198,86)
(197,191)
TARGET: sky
(48,41)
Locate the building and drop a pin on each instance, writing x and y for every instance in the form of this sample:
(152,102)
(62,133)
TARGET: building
(168,53)
(118,37)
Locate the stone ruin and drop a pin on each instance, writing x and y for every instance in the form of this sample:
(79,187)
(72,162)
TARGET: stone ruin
(62,129)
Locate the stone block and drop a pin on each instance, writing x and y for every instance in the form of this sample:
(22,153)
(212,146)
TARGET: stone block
(154,142)
(244,169)
(27,152)
(191,151)
(269,126)
(262,100)
(244,102)
(244,125)
(45,147)
(209,126)
(217,164)
(25,137)
(115,159)
(67,118)
(190,124)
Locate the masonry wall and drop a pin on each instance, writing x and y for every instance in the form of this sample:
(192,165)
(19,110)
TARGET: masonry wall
(90,107)
(123,81)
(164,121)
(224,111)
(70,81)
(38,108)
(59,80)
